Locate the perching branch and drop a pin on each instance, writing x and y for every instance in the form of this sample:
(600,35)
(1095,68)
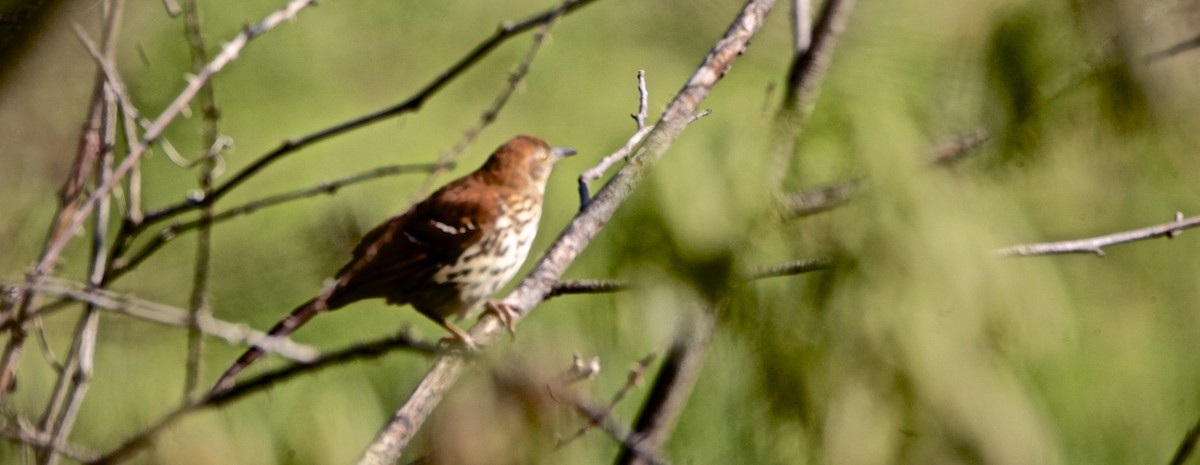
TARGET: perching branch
(1095,245)
(399,430)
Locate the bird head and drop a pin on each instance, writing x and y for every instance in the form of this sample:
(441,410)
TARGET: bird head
(526,159)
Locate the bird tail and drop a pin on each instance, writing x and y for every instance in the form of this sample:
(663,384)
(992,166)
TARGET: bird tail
(285,327)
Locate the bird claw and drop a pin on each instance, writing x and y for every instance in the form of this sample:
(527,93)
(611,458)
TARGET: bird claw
(506,314)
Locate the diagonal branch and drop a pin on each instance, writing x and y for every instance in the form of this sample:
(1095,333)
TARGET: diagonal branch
(396,434)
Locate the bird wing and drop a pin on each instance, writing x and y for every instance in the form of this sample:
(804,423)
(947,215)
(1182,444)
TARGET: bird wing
(402,253)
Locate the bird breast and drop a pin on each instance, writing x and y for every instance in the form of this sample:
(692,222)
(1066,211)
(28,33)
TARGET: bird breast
(486,266)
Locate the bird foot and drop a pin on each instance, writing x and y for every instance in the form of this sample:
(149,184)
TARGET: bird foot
(506,314)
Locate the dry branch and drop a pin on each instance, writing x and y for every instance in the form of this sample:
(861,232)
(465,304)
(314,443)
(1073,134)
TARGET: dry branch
(70,220)
(237,334)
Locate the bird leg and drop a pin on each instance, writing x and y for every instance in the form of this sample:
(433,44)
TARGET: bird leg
(458,335)
(506,314)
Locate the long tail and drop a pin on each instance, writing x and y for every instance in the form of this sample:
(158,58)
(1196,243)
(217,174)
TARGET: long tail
(285,327)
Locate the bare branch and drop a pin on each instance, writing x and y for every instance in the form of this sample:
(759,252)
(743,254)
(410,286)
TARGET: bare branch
(413,103)
(237,334)
(396,434)
(607,162)
(586,287)
(1095,245)
(792,268)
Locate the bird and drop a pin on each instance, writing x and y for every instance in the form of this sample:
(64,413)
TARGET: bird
(448,253)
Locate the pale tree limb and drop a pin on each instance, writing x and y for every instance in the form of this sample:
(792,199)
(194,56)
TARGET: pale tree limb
(1095,245)
(74,378)
(399,430)
(237,334)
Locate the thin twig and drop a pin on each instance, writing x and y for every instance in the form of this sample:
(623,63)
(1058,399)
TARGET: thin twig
(1095,245)
(607,162)
(325,188)
(636,374)
(791,268)
(399,430)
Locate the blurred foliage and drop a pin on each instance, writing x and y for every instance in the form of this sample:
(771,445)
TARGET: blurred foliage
(919,347)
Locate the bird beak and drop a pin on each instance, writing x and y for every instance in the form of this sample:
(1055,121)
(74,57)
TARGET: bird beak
(563,152)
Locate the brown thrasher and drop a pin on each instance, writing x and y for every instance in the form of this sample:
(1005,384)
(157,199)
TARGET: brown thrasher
(448,253)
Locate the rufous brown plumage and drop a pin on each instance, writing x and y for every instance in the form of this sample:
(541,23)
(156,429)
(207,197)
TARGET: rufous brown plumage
(448,253)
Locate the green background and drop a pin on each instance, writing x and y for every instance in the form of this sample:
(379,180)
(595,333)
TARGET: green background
(923,346)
